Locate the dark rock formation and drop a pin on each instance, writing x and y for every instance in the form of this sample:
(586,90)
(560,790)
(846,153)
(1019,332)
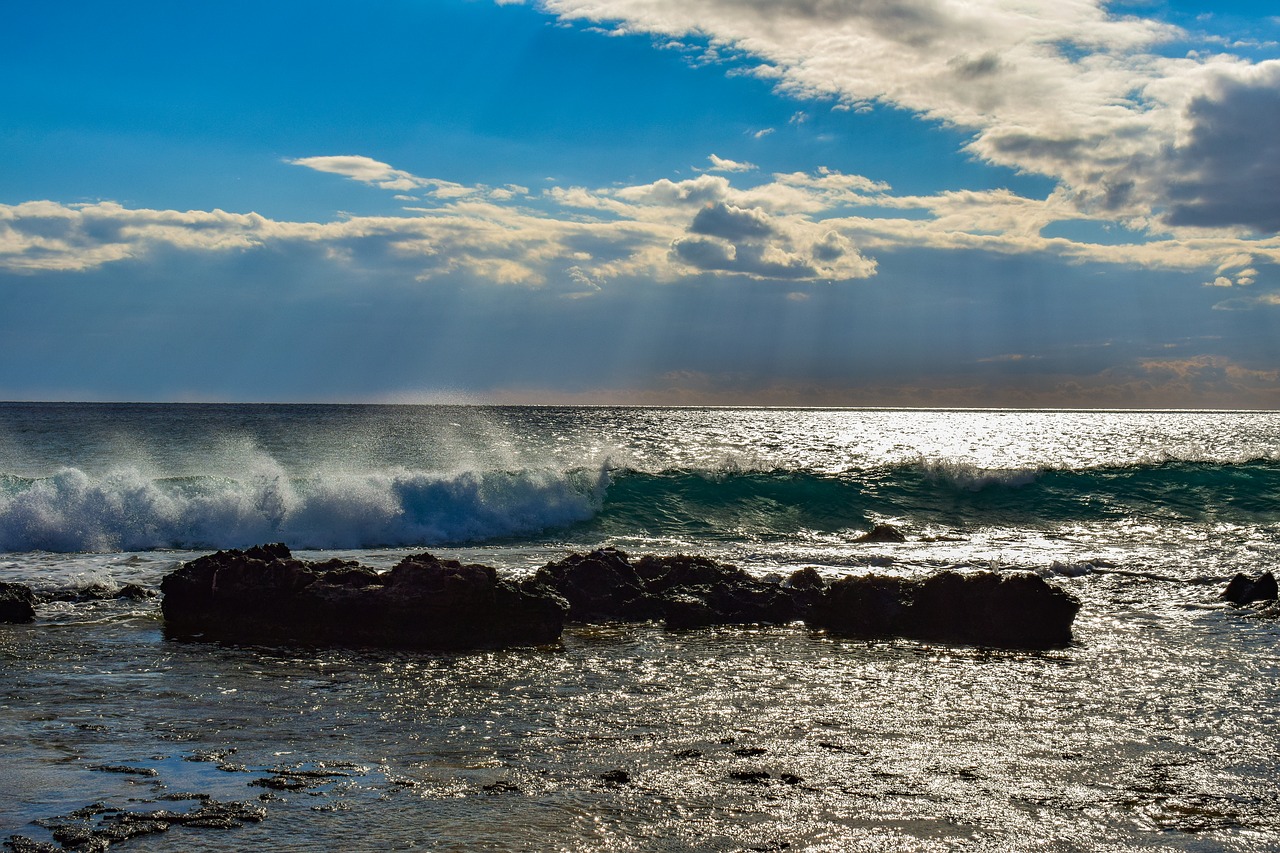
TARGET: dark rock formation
(264,594)
(883,533)
(100,592)
(601,586)
(17,603)
(684,591)
(989,609)
(1241,590)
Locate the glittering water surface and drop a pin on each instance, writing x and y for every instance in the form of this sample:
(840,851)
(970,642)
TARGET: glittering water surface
(1156,729)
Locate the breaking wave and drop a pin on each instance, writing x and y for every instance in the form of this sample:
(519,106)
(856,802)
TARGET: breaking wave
(127,510)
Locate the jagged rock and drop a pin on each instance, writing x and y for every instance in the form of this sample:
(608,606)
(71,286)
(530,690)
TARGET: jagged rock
(807,588)
(600,586)
(101,592)
(697,592)
(1241,590)
(989,609)
(264,594)
(681,571)
(17,603)
(883,533)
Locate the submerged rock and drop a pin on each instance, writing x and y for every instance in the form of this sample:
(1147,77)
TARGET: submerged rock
(883,533)
(986,608)
(264,594)
(17,603)
(1241,590)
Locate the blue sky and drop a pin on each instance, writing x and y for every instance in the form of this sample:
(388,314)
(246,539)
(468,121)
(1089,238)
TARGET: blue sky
(804,202)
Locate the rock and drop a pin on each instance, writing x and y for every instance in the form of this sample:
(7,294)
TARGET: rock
(987,609)
(264,594)
(616,777)
(600,586)
(101,592)
(697,592)
(883,533)
(17,603)
(806,587)
(1241,590)
(681,571)
(22,844)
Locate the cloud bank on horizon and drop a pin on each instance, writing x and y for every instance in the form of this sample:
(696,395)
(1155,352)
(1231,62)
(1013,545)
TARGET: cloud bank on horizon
(1092,142)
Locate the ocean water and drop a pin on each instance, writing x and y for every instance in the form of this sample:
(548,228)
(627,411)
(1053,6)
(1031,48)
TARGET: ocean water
(1157,729)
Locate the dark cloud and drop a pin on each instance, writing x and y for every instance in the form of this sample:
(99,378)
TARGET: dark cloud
(971,68)
(1228,171)
(734,224)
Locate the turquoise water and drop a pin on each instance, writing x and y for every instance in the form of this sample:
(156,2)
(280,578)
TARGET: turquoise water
(1157,729)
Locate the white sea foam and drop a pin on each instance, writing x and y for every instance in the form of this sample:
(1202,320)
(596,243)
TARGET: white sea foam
(972,477)
(126,510)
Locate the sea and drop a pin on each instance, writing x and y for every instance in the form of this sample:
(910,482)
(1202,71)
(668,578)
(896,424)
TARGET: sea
(1156,729)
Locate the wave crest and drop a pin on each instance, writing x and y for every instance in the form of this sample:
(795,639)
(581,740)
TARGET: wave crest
(126,510)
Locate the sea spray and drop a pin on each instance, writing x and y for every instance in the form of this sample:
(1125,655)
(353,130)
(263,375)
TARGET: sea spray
(125,510)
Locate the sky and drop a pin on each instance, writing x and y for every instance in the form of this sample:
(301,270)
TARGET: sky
(1041,203)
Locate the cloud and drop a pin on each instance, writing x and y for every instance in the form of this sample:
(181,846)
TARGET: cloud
(1071,91)
(721,164)
(820,226)
(1249,303)
(1230,154)
(722,237)
(366,170)
(375,173)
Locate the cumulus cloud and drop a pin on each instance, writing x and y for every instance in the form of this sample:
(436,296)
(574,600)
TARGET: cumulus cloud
(1226,170)
(726,238)
(816,226)
(1067,90)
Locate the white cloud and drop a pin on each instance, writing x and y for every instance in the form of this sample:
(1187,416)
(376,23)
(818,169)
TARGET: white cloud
(723,164)
(819,226)
(363,169)
(1063,89)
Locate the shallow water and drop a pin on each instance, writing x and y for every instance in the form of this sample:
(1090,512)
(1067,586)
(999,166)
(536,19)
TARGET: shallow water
(1156,729)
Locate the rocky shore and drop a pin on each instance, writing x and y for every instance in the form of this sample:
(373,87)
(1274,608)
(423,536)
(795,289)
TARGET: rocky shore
(265,594)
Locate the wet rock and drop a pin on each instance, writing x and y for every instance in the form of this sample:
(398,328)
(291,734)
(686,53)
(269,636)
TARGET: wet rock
(264,594)
(101,592)
(883,533)
(616,777)
(22,844)
(698,592)
(754,777)
(1242,590)
(681,571)
(988,609)
(747,751)
(125,769)
(17,603)
(601,586)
